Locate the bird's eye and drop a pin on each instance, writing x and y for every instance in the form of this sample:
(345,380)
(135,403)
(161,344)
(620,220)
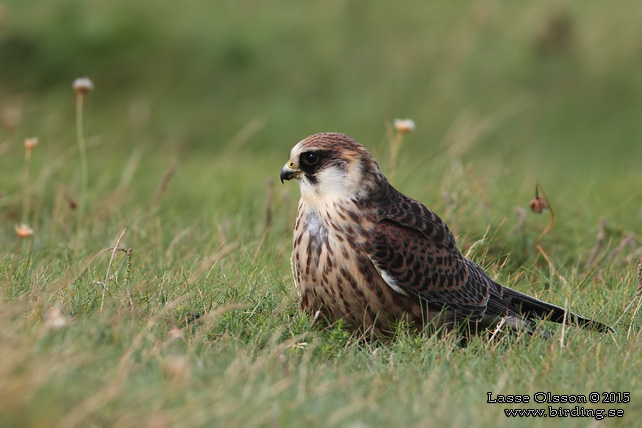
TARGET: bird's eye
(310,158)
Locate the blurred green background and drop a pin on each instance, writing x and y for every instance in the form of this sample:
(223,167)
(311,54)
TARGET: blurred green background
(195,109)
(547,90)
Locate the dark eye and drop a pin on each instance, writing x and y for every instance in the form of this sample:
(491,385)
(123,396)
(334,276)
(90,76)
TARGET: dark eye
(310,158)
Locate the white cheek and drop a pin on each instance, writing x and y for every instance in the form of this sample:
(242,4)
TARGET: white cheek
(307,190)
(332,181)
(332,184)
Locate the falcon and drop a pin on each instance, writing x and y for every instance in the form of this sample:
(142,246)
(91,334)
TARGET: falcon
(366,254)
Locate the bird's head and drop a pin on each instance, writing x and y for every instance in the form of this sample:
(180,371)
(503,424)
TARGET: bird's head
(331,166)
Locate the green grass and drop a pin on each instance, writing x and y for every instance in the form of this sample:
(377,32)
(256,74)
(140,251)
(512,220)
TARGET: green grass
(195,110)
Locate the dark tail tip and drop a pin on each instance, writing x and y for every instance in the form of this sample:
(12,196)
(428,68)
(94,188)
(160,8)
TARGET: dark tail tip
(595,325)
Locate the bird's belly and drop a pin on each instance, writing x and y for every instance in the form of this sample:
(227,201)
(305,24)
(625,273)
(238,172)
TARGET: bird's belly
(336,279)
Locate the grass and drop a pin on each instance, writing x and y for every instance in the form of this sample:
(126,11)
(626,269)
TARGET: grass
(180,158)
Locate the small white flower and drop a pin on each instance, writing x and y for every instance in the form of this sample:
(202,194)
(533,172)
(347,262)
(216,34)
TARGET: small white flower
(54,319)
(83,85)
(23,231)
(30,143)
(404,126)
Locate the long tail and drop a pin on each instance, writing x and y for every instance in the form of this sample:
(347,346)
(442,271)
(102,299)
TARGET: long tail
(530,307)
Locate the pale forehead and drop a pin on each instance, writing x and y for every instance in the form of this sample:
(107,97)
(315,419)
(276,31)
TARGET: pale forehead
(299,148)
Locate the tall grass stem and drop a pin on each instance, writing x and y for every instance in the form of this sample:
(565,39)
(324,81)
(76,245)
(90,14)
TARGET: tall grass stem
(82,149)
(26,203)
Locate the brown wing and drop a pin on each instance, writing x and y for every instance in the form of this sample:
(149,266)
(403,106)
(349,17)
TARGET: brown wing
(418,256)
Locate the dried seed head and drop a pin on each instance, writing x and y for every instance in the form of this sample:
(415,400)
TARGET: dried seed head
(30,143)
(404,126)
(640,276)
(73,204)
(83,85)
(538,205)
(23,231)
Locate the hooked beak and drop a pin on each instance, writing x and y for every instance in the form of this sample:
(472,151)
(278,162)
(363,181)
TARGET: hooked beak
(289,171)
